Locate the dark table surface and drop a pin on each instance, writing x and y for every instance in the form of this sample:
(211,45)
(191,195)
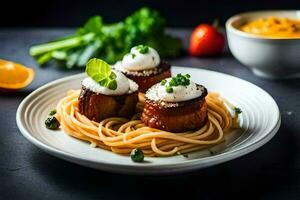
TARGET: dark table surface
(26,172)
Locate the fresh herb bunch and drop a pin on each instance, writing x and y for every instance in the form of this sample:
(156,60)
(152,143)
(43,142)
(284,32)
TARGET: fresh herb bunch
(179,79)
(101,72)
(109,41)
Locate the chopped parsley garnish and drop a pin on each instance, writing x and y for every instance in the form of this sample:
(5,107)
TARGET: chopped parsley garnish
(169,89)
(211,152)
(133,55)
(143,49)
(185,155)
(101,72)
(163,82)
(52,112)
(237,110)
(178,80)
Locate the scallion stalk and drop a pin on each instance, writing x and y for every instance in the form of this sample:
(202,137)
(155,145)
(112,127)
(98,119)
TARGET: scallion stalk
(56,45)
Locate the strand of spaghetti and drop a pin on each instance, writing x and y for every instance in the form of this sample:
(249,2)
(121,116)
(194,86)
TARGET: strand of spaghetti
(80,124)
(110,122)
(217,116)
(219,110)
(89,136)
(179,145)
(207,131)
(84,120)
(127,130)
(127,124)
(136,138)
(65,122)
(163,153)
(103,130)
(166,136)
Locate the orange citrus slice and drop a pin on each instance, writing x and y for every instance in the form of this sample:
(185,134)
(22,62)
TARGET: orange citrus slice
(14,75)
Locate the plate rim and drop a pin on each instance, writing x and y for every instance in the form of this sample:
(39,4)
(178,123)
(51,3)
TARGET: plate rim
(171,168)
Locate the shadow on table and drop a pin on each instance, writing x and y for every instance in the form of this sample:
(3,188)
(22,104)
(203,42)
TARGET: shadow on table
(261,173)
(20,93)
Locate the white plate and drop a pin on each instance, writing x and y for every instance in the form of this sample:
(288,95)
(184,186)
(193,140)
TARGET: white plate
(260,120)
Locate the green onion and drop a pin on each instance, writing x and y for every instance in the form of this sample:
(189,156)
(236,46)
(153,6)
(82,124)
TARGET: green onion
(178,80)
(163,82)
(169,89)
(51,46)
(143,49)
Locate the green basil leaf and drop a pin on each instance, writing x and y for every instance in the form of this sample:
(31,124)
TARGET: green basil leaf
(98,69)
(101,72)
(104,82)
(98,77)
(112,75)
(112,84)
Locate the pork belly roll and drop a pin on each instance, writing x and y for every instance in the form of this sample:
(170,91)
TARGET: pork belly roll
(113,96)
(176,108)
(97,106)
(147,78)
(143,65)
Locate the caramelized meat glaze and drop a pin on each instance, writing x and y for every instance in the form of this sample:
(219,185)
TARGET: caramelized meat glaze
(176,117)
(97,107)
(147,78)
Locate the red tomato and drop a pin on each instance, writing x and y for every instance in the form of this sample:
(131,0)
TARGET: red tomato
(206,41)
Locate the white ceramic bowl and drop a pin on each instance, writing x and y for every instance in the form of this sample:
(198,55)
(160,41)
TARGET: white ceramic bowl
(266,57)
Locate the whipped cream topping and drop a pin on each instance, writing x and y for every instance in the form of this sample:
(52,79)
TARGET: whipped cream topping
(180,93)
(124,85)
(137,61)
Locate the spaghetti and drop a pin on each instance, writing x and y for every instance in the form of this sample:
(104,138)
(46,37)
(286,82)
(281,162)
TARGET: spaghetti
(121,135)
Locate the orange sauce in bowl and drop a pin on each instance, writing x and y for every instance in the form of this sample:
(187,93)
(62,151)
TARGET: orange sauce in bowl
(273,27)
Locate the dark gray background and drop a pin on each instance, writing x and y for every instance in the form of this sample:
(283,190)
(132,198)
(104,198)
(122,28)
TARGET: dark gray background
(271,172)
(179,13)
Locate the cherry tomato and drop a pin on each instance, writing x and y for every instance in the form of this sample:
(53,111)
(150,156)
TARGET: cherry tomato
(206,40)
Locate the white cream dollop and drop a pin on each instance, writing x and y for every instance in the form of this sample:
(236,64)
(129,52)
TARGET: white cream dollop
(124,85)
(180,93)
(136,61)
